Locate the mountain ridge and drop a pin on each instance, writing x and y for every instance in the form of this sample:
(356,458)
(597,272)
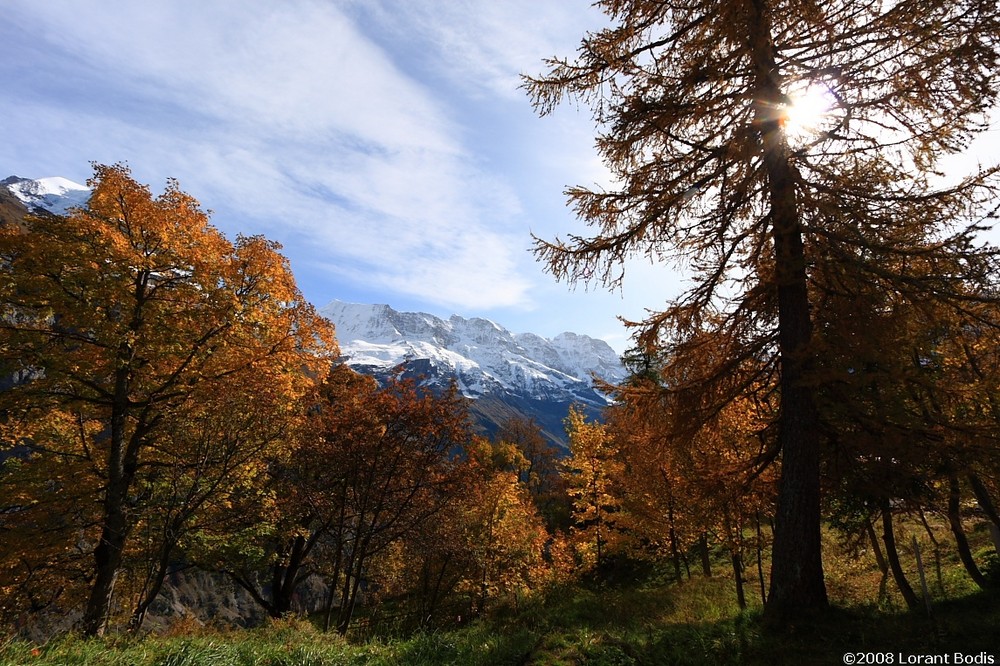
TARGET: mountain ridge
(484,356)
(506,375)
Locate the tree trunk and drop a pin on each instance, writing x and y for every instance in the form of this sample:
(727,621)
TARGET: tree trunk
(737,561)
(156,584)
(962,543)
(937,553)
(675,554)
(706,560)
(107,564)
(986,504)
(122,465)
(797,583)
(285,579)
(892,555)
(760,562)
(883,566)
(435,595)
(347,605)
(876,549)
(332,592)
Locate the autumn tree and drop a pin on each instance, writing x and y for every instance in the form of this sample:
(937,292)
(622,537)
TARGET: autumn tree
(372,466)
(693,472)
(504,532)
(536,461)
(208,471)
(125,317)
(696,104)
(590,473)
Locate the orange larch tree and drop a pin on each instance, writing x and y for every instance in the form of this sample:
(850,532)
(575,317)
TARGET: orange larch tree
(695,105)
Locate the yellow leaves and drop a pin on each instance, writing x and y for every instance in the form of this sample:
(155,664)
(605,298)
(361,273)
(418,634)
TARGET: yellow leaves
(160,351)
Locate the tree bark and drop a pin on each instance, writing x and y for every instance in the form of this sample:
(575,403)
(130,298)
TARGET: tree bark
(883,566)
(107,564)
(797,583)
(706,560)
(759,545)
(737,561)
(986,504)
(892,555)
(675,554)
(122,466)
(961,541)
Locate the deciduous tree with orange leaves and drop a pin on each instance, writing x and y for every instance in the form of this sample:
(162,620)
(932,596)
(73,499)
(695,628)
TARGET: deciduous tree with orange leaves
(122,320)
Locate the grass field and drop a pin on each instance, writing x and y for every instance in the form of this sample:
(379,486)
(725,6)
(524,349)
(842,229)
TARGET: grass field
(643,618)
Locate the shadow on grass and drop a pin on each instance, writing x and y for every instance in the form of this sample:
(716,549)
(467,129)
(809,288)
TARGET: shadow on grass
(621,627)
(693,623)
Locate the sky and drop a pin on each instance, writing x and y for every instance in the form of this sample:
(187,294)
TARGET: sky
(385,144)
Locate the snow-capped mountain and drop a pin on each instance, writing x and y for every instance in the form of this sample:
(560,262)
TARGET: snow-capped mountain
(482,356)
(506,374)
(55,194)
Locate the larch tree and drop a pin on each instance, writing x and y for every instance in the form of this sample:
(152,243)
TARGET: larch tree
(590,472)
(696,101)
(125,318)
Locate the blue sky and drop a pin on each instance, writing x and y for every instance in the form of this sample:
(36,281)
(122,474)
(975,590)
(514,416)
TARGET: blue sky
(384,143)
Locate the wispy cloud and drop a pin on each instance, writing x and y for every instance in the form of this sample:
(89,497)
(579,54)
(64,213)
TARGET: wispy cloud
(287,115)
(482,46)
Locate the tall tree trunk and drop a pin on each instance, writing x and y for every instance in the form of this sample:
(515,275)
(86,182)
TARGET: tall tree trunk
(332,592)
(961,541)
(675,554)
(892,555)
(122,466)
(285,578)
(883,566)
(347,605)
(107,564)
(760,561)
(937,553)
(797,583)
(986,504)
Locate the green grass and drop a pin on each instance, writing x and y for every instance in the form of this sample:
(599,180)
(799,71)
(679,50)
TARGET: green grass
(642,622)
(642,618)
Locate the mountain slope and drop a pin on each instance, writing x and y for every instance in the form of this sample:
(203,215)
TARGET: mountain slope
(55,194)
(505,374)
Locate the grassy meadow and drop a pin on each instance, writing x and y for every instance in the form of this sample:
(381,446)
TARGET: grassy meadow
(637,615)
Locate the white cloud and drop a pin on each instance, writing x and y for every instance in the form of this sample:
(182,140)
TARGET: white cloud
(286,116)
(486,45)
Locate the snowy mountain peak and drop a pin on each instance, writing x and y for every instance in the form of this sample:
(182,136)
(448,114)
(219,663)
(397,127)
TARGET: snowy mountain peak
(484,357)
(54,194)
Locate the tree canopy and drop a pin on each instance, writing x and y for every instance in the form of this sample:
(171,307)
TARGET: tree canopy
(693,102)
(123,322)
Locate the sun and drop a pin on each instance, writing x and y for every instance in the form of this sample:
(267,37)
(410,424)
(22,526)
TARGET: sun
(808,113)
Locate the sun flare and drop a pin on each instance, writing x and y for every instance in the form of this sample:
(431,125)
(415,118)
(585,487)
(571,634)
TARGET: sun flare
(807,113)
